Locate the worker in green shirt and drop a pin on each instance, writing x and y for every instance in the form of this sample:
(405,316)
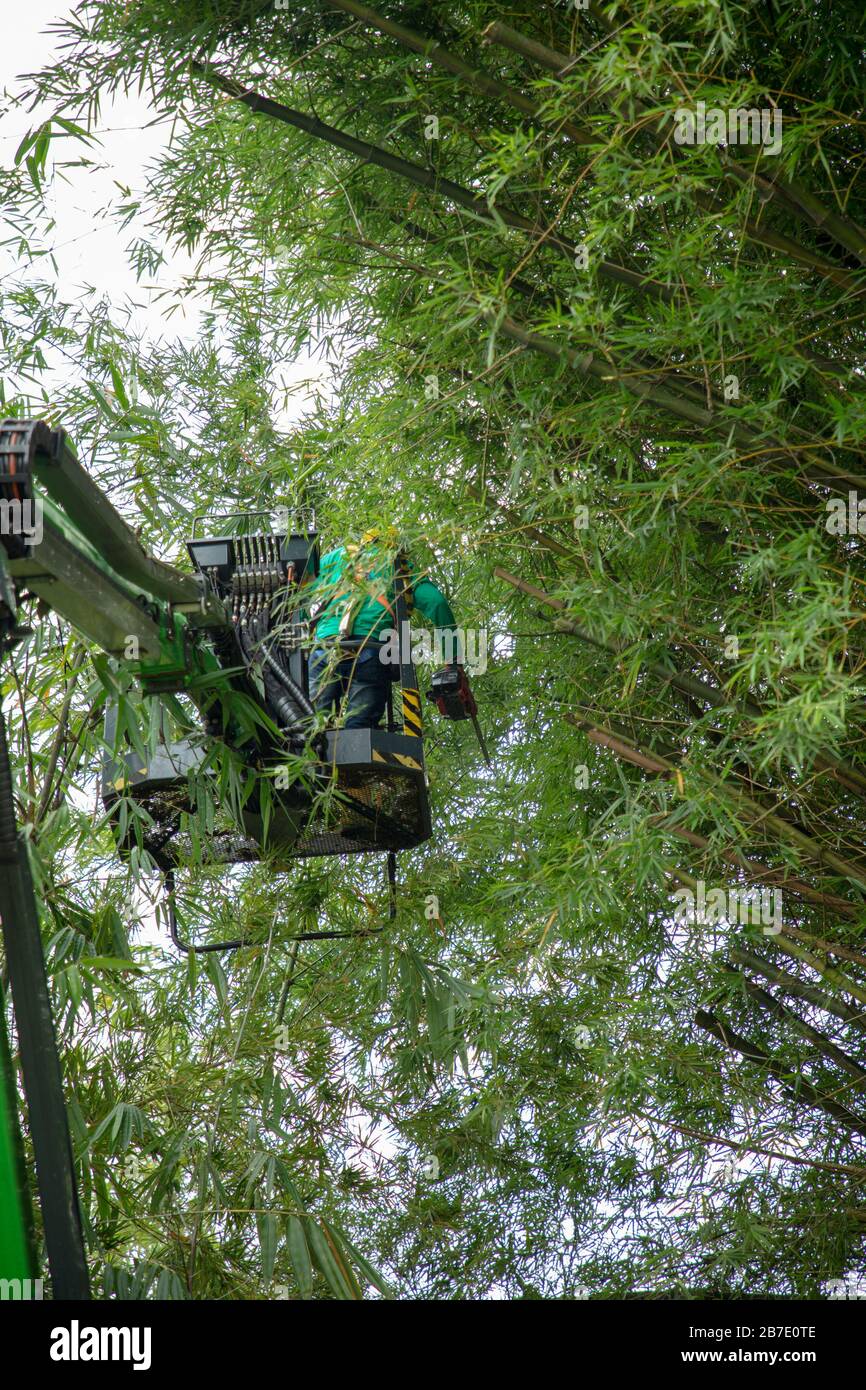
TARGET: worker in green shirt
(354,601)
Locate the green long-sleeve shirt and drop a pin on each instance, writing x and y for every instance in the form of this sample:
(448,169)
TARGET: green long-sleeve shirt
(364,581)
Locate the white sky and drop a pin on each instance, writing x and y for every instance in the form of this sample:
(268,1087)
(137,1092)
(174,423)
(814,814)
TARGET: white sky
(89,248)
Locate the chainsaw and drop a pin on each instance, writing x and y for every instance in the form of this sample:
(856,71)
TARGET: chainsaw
(453,698)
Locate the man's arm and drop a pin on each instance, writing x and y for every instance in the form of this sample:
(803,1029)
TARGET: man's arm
(432,604)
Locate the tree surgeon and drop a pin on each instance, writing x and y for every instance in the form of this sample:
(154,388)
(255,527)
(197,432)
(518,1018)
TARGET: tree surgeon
(354,606)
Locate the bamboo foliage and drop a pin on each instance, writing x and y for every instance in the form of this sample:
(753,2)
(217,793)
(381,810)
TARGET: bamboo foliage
(610,386)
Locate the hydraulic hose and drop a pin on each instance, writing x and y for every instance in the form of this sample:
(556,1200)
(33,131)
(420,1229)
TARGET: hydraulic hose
(289,684)
(288,714)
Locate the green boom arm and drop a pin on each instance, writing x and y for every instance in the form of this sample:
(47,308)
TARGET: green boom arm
(83,560)
(231,636)
(62,541)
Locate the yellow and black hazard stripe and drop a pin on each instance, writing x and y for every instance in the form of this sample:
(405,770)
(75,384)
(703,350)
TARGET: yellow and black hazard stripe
(396,760)
(129,777)
(411,712)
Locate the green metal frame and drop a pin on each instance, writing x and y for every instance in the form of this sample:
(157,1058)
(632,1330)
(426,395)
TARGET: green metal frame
(17,1256)
(90,567)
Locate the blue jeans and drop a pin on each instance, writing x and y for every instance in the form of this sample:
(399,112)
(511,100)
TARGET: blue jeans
(361,677)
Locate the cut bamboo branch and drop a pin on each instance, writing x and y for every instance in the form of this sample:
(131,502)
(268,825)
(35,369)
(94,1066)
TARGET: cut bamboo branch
(618,741)
(554,546)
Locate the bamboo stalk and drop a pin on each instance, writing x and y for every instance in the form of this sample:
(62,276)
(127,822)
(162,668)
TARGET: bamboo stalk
(758,814)
(434,52)
(443,187)
(658,374)
(680,405)
(761,873)
(790,984)
(850,1169)
(486,85)
(794,196)
(801,1091)
(833,948)
(654,761)
(772,1005)
(685,409)
(79,659)
(690,685)
(835,977)
(776,241)
(502,34)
